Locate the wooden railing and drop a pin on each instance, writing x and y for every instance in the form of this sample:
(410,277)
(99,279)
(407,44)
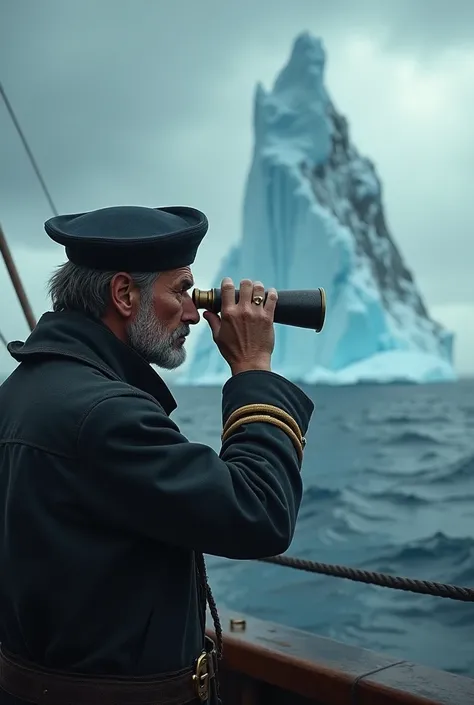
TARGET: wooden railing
(269,664)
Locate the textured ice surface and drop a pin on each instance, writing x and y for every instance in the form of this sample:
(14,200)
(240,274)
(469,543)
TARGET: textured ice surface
(313,216)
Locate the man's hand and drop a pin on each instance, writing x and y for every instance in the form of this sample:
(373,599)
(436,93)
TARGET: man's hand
(244,331)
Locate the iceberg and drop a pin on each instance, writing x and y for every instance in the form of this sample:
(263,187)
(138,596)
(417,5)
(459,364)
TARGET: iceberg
(313,215)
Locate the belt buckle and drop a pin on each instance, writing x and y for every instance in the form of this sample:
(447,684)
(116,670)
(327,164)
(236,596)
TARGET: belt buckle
(201,677)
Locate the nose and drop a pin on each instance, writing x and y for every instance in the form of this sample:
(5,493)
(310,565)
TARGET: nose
(190,312)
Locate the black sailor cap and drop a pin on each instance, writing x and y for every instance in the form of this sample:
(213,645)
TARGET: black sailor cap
(130,238)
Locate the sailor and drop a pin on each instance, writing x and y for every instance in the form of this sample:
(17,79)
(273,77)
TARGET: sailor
(106,507)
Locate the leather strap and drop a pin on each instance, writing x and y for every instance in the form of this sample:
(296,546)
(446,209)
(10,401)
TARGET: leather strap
(45,687)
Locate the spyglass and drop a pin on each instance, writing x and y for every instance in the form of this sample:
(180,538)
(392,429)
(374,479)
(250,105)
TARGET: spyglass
(301,308)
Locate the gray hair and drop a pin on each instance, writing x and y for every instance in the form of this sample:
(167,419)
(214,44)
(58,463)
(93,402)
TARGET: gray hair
(76,288)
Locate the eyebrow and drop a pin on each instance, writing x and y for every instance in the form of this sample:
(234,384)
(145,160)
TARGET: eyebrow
(185,282)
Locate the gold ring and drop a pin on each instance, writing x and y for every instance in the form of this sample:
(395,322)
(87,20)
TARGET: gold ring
(257,300)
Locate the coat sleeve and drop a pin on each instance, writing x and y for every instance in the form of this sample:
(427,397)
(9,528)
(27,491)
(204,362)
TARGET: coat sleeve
(140,473)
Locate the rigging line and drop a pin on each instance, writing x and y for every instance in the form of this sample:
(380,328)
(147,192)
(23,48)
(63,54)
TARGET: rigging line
(3,340)
(28,150)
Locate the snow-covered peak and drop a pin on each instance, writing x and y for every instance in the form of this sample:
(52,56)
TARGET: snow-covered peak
(291,120)
(305,69)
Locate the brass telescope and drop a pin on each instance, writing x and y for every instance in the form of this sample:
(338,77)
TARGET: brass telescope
(302,308)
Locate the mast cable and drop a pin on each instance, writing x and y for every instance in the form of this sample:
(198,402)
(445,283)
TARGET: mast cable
(28,150)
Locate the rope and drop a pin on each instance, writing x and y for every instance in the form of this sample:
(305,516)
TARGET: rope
(28,150)
(424,587)
(209,597)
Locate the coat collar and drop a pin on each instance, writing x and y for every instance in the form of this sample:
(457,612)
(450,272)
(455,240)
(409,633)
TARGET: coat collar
(75,335)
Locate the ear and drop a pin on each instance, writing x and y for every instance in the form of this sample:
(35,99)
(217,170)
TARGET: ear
(124,295)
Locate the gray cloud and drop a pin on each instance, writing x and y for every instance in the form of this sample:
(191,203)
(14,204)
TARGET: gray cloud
(119,88)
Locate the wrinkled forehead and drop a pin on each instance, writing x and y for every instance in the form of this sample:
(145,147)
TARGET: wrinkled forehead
(182,278)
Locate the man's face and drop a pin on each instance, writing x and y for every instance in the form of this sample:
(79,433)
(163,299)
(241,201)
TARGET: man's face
(159,328)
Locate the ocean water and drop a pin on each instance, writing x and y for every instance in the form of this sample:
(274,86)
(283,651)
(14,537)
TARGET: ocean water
(389,486)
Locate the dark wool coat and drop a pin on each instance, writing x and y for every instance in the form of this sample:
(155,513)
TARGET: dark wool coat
(104,503)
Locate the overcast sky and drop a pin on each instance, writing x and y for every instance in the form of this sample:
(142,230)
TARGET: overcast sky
(150,102)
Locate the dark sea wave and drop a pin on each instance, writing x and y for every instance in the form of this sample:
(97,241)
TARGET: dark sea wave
(410,438)
(389,487)
(398,497)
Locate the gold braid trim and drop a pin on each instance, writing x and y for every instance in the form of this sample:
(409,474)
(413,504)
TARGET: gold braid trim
(265,409)
(263,418)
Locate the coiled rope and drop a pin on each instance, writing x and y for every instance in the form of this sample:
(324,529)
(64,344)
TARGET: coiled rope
(425,587)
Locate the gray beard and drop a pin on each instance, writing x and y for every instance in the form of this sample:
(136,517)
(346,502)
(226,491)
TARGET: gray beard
(150,339)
